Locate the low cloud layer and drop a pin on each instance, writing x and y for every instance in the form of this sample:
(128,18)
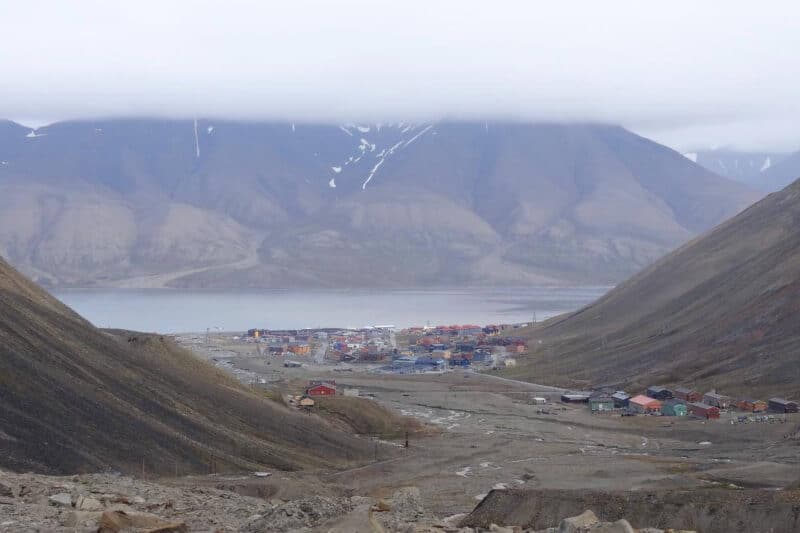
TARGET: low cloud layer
(691,74)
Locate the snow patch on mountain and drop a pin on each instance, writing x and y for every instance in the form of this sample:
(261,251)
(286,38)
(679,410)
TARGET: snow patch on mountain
(365,144)
(196,140)
(332,183)
(33,134)
(372,173)
(210,130)
(767,164)
(418,135)
(378,141)
(691,156)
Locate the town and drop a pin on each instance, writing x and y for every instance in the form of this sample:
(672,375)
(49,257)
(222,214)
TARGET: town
(680,401)
(432,349)
(416,349)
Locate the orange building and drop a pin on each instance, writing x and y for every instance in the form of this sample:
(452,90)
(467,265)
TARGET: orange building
(299,349)
(644,404)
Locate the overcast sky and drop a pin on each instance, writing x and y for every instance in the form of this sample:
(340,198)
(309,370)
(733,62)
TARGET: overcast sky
(690,74)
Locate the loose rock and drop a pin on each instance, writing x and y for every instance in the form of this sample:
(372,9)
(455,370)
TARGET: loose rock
(62,499)
(580,523)
(87,503)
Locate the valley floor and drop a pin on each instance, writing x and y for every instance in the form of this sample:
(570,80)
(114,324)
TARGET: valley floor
(488,436)
(492,437)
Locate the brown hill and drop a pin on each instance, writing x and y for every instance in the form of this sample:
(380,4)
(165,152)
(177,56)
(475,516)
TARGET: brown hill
(75,398)
(722,311)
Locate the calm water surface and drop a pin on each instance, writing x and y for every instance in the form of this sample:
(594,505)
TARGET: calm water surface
(174,311)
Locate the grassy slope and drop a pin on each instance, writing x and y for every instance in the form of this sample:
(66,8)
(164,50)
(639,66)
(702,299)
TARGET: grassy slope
(76,398)
(721,311)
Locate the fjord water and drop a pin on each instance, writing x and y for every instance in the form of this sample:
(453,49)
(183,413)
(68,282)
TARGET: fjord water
(174,311)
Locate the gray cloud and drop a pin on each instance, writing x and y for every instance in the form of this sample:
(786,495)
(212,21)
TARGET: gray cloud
(687,73)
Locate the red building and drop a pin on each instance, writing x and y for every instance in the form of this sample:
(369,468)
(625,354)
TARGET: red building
(321,389)
(702,410)
(689,395)
(751,406)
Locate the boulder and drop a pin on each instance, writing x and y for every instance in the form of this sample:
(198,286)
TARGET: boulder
(87,503)
(118,520)
(620,526)
(62,499)
(580,523)
(382,506)
(80,519)
(407,504)
(6,491)
(494,528)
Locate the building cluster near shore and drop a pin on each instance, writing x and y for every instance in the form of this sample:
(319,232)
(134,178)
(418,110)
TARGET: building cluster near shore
(416,349)
(436,348)
(680,401)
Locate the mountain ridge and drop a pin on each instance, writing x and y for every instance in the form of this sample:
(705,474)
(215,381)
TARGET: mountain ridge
(267,204)
(764,171)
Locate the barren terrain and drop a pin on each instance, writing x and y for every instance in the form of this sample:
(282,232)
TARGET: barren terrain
(470,436)
(491,437)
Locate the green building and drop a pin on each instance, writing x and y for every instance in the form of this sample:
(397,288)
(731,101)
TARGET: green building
(674,408)
(601,403)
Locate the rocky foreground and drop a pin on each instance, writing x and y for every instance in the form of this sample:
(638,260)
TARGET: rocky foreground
(109,503)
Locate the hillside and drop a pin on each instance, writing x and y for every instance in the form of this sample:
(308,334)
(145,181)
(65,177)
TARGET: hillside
(721,311)
(230,204)
(79,399)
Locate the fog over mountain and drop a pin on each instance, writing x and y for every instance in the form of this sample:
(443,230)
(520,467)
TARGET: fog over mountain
(685,74)
(211,203)
(197,146)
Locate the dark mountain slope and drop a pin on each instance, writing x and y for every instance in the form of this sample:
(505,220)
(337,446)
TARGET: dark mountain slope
(722,311)
(75,398)
(215,203)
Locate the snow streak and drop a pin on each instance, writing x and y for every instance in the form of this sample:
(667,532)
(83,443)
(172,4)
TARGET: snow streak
(196,140)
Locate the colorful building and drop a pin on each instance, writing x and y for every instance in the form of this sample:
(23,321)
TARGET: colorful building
(703,410)
(600,403)
(321,388)
(674,408)
(645,405)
